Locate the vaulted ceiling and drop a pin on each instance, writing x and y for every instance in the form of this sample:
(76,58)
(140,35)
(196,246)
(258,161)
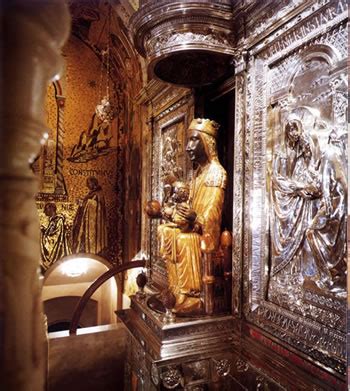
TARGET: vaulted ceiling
(99,23)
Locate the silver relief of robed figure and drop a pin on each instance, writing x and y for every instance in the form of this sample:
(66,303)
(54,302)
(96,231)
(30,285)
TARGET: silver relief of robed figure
(308,219)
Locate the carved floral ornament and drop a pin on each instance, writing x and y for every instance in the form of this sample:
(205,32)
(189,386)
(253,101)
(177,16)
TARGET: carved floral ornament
(214,40)
(172,378)
(223,367)
(205,16)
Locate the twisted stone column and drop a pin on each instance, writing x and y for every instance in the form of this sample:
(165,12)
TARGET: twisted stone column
(34,31)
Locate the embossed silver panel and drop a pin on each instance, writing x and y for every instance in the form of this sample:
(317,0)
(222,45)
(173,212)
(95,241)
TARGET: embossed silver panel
(293,199)
(168,159)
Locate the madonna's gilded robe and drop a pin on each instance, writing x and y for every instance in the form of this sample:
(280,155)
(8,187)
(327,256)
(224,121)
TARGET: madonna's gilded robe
(181,251)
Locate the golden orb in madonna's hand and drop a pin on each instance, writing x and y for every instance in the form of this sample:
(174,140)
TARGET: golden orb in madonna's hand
(153,208)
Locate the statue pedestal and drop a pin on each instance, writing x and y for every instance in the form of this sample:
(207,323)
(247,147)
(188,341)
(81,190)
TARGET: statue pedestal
(211,353)
(190,352)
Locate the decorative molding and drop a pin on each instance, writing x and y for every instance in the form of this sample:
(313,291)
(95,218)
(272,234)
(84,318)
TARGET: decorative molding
(238,199)
(213,41)
(223,367)
(310,23)
(182,40)
(171,377)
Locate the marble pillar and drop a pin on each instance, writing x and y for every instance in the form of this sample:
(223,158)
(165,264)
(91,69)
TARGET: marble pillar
(33,34)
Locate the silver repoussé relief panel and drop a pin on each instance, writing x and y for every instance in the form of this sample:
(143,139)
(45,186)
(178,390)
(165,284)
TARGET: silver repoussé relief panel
(294,196)
(168,162)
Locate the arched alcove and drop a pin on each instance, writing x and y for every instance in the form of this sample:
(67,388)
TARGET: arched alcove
(58,311)
(67,280)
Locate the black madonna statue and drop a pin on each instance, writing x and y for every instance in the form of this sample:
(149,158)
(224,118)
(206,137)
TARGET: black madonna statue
(200,213)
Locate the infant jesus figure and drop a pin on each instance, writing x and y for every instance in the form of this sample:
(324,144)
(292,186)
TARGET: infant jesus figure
(180,197)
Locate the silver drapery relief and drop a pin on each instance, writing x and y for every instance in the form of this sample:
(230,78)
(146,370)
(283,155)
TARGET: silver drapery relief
(172,164)
(308,188)
(168,160)
(294,195)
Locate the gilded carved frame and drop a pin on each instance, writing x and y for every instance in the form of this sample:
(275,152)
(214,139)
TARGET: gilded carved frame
(323,30)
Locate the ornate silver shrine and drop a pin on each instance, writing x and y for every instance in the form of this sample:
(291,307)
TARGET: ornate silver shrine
(290,191)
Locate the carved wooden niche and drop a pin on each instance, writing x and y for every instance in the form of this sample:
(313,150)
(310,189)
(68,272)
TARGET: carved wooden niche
(295,196)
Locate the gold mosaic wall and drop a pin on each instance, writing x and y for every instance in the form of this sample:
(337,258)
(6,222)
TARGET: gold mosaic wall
(84,166)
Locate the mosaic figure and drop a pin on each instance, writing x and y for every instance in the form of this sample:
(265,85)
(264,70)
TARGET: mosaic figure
(90,223)
(53,237)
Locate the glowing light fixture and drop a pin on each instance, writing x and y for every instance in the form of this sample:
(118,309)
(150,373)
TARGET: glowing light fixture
(104,109)
(75,267)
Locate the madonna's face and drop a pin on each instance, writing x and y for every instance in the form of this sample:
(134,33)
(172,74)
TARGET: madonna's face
(293,133)
(195,147)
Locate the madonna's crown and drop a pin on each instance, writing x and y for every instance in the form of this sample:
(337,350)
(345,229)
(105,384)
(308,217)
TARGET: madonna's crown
(205,126)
